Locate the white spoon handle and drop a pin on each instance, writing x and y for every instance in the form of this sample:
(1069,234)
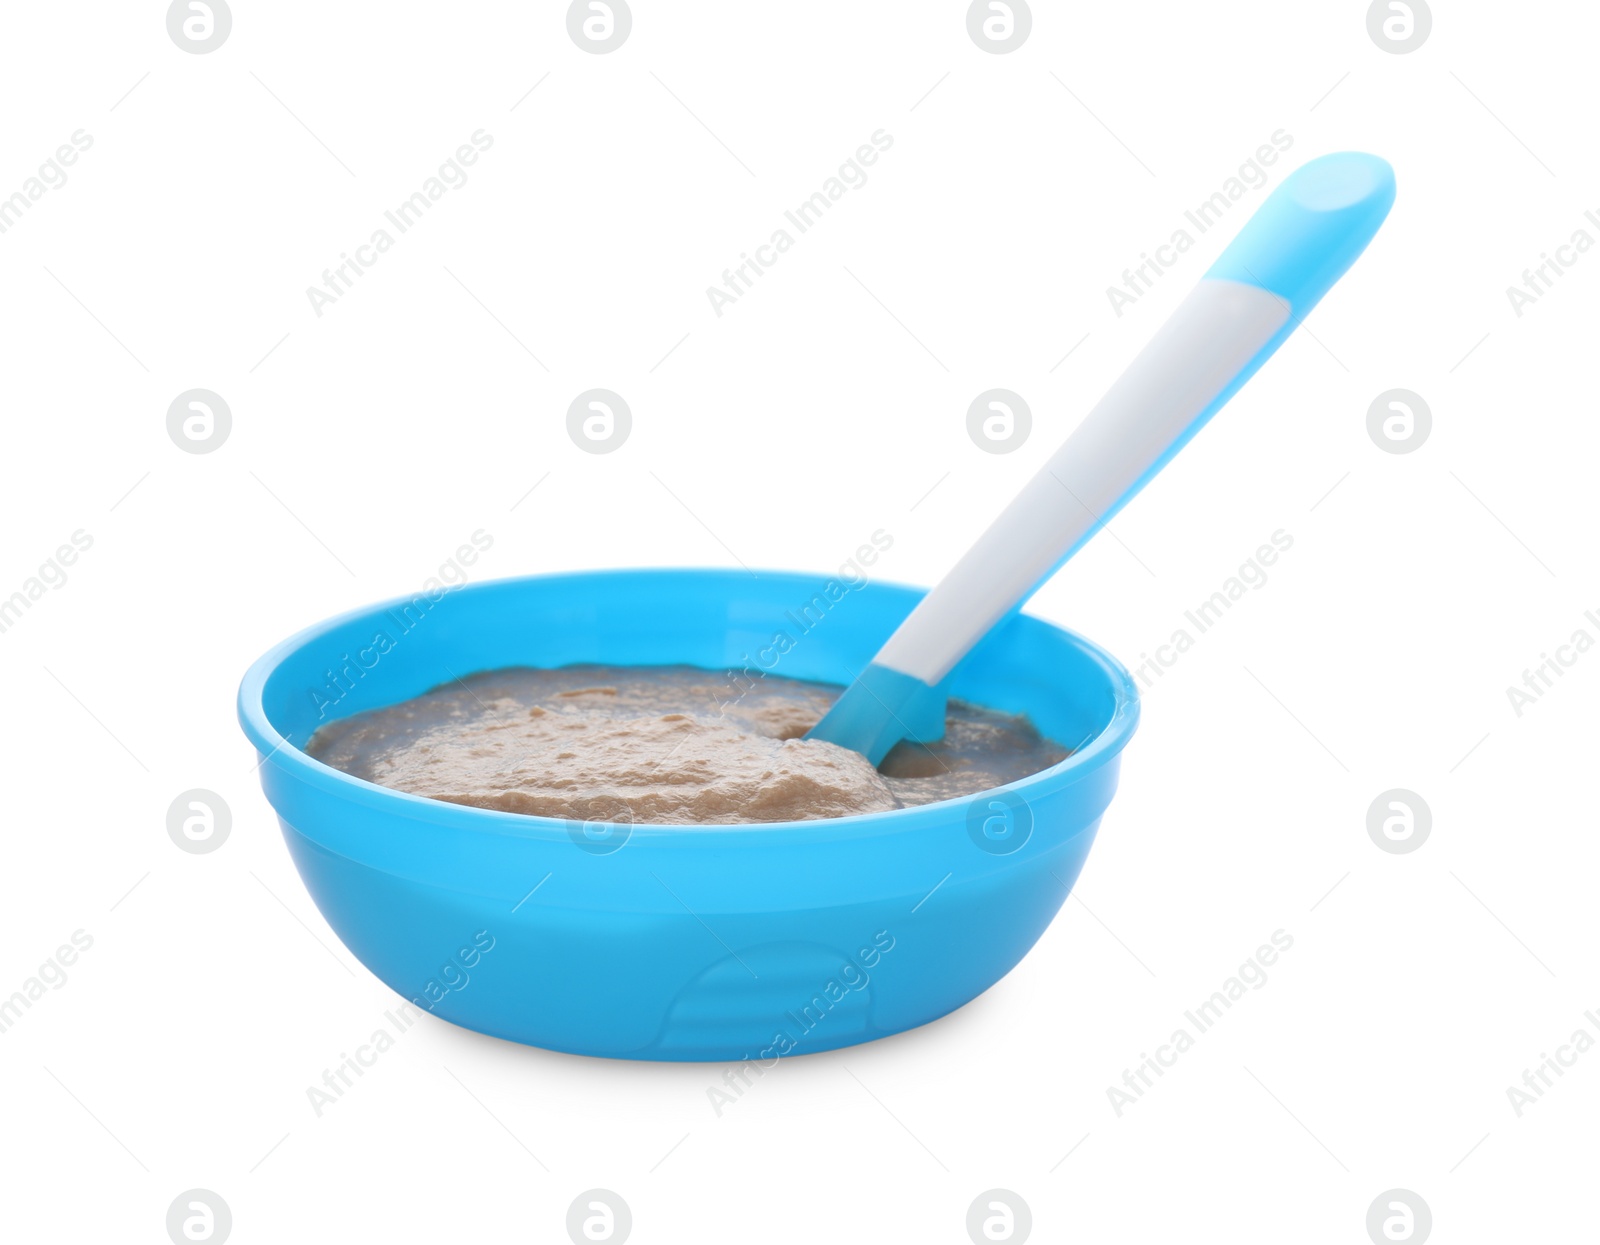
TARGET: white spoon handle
(1145,418)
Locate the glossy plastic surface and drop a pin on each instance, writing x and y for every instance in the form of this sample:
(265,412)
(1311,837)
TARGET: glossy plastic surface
(878,709)
(1311,228)
(697,942)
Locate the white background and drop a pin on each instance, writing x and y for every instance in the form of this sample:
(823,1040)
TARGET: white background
(369,443)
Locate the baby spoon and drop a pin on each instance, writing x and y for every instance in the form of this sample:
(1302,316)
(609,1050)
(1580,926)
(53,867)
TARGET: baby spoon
(1288,255)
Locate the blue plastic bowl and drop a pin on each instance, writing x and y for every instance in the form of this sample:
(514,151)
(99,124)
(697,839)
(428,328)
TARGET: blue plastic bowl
(681,942)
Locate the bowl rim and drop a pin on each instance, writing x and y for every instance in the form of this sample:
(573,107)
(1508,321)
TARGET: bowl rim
(273,748)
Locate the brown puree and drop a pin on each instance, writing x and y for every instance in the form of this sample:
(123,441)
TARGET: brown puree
(663,744)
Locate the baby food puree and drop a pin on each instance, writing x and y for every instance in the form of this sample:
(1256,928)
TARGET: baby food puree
(662,744)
